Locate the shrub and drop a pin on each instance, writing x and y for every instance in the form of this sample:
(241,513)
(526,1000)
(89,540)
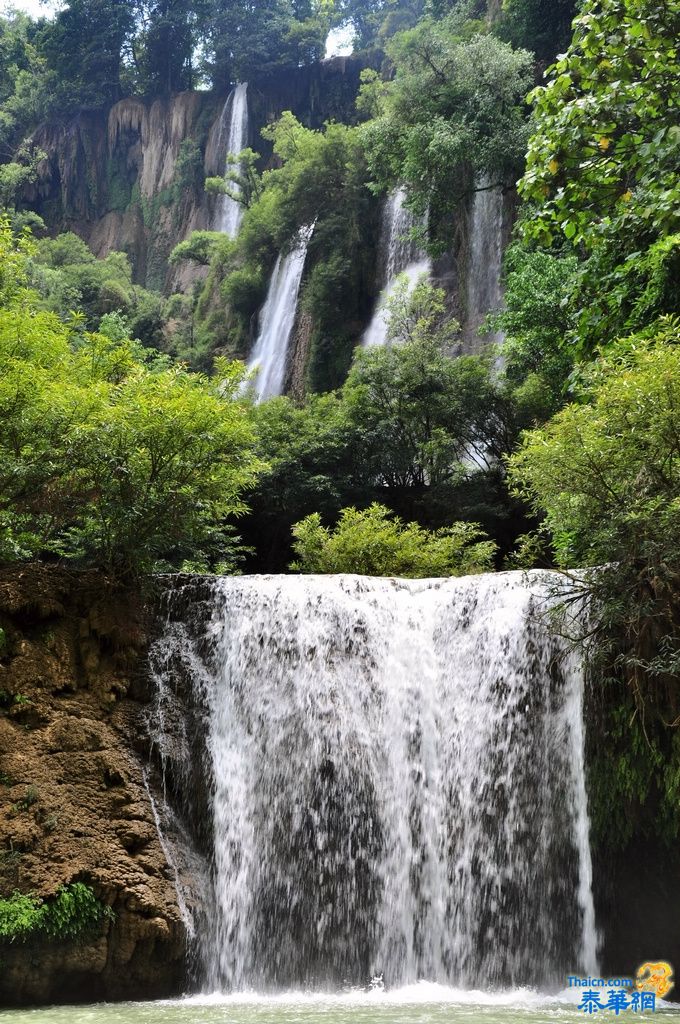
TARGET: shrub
(605,475)
(72,911)
(374,542)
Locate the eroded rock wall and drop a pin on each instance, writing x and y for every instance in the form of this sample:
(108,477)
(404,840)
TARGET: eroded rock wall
(122,180)
(114,179)
(73,801)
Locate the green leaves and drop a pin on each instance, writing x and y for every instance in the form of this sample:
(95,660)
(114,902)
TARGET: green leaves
(422,414)
(605,477)
(542,26)
(375,542)
(108,455)
(537,322)
(602,162)
(73,910)
(454,111)
(606,474)
(607,119)
(412,428)
(321,179)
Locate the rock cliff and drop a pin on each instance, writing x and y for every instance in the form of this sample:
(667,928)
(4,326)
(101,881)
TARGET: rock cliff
(74,804)
(131,178)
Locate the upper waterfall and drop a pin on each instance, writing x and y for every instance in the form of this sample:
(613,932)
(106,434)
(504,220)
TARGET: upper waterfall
(398,255)
(485,266)
(395,779)
(234,138)
(277,319)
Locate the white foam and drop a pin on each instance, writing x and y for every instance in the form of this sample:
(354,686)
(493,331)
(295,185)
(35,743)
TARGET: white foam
(422,993)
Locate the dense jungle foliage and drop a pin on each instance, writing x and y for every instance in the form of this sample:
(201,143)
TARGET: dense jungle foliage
(129,441)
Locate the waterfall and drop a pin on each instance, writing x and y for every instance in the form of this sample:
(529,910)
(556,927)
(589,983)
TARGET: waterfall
(484,283)
(399,255)
(277,319)
(233,138)
(395,782)
(399,248)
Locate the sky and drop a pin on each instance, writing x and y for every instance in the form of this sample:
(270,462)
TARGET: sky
(339,42)
(33,7)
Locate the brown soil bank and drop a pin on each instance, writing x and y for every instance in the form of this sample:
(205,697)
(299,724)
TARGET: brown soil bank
(73,804)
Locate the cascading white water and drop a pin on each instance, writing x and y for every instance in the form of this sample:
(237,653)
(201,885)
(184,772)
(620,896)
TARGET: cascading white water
(484,282)
(233,138)
(400,249)
(277,319)
(399,255)
(395,772)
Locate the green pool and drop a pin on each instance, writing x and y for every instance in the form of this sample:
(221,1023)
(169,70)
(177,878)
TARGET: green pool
(419,1004)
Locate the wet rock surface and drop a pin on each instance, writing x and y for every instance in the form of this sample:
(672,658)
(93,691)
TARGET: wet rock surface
(73,801)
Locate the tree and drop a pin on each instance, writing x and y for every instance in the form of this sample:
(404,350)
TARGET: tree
(418,315)
(424,418)
(374,21)
(543,26)
(168,458)
(15,175)
(318,169)
(171,30)
(248,41)
(537,323)
(242,182)
(606,472)
(108,455)
(454,117)
(67,276)
(605,475)
(374,542)
(312,466)
(603,154)
(602,162)
(320,180)
(412,429)
(93,50)
(83,47)
(22,98)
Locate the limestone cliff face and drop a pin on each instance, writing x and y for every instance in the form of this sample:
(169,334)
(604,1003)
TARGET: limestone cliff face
(131,178)
(73,801)
(114,180)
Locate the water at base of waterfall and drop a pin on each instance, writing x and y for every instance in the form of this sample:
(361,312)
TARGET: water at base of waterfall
(418,1004)
(393,772)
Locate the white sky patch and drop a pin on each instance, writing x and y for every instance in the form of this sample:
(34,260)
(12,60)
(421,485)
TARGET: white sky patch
(32,7)
(340,42)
